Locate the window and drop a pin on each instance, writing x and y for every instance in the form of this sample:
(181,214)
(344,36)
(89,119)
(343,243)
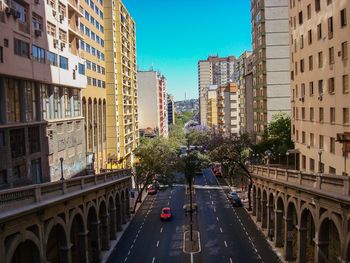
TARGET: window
(309,11)
(303,113)
(34,139)
(332,115)
(52,58)
(52,3)
(331,55)
(63,62)
(330,27)
(93,66)
(302,65)
(302,87)
(300,17)
(321,139)
(12,100)
(51,29)
(320,87)
(88,80)
(331,88)
(3,177)
(301,41)
(94,82)
(21,11)
(38,54)
(332,145)
(76,102)
(344,50)
(303,137)
(312,164)
(311,88)
(62,9)
(311,63)
(329,2)
(343,20)
(81,69)
(17,142)
(88,64)
(345,115)
(87,48)
(2,138)
(21,48)
(312,114)
(309,37)
(317,5)
(320,59)
(312,140)
(332,170)
(57,102)
(45,101)
(345,84)
(30,101)
(62,35)
(67,101)
(1,55)
(37,22)
(303,162)
(319,31)
(321,115)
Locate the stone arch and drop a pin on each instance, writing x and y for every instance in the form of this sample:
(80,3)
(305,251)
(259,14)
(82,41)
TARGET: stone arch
(279,225)
(258,205)
(347,247)
(18,247)
(112,218)
(329,239)
(76,211)
(271,215)
(118,211)
(77,232)
(254,200)
(57,246)
(52,223)
(104,227)
(291,233)
(264,209)
(307,234)
(93,234)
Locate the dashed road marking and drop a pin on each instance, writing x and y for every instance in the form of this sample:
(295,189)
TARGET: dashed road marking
(125,259)
(217,219)
(161,230)
(231,261)
(220,229)
(153,259)
(212,202)
(129,253)
(225,243)
(157,243)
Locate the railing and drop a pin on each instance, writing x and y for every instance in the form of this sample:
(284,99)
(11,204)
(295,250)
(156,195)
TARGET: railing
(34,194)
(327,184)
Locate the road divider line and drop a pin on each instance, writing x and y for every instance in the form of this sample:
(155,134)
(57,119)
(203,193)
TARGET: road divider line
(157,243)
(129,253)
(231,261)
(220,229)
(161,230)
(125,259)
(225,243)
(153,259)
(217,219)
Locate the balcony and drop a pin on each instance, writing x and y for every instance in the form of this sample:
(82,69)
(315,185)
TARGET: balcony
(73,5)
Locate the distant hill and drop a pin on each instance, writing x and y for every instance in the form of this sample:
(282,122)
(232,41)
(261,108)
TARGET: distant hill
(187,105)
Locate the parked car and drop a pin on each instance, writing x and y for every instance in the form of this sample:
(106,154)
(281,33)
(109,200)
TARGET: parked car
(165,214)
(234,198)
(151,190)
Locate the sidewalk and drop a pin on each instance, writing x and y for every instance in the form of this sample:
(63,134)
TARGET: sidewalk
(105,254)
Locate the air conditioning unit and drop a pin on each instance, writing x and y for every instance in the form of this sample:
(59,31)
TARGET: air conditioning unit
(302,99)
(339,53)
(320,97)
(61,18)
(63,45)
(37,32)
(55,43)
(36,2)
(54,12)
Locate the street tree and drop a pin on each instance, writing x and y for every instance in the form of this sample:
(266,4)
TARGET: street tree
(154,157)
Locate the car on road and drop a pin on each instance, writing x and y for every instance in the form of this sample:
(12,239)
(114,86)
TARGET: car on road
(151,190)
(234,198)
(166,213)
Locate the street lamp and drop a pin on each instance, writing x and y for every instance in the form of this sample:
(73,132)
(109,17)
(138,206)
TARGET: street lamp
(279,158)
(320,161)
(287,154)
(344,139)
(61,160)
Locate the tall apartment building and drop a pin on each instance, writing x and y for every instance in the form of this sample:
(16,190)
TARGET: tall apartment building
(171,110)
(94,96)
(41,78)
(247,119)
(319,36)
(212,109)
(152,101)
(121,84)
(271,76)
(212,71)
(228,109)
(245,100)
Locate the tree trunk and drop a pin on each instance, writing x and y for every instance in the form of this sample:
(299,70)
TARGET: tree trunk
(247,173)
(139,197)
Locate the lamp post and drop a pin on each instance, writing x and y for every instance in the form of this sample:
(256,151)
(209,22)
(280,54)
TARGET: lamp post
(344,139)
(62,177)
(279,158)
(287,154)
(320,161)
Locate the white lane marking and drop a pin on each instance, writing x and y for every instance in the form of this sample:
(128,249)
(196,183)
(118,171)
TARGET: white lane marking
(132,246)
(153,259)
(161,230)
(125,259)
(231,261)
(220,229)
(157,243)
(168,203)
(217,219)
(129,253)
(212,202)
(225,243)
(214,209)
(191,257)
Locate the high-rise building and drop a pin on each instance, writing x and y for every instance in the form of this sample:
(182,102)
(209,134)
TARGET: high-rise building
(171,110)
(94,96)
(152,100)
(247,118)
(228,109)
(121,84)
(271,76)
(320,35)
(42,74)
(212,111)
(212,71)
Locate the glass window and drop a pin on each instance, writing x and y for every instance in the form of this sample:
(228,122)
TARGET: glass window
(344,50)
(345,84)
(331,55)
(331,88)
(343,20)
(34,139)
(45,101)
(37,21)
(330,27)
(81,69)
(30,101)
(57,102)
(12,100)
(17,142)
(332,145)
(67,101)
(51,29)
(332,114)
(63,62)
(38,54)
(76,101)
(21,48)
(52,58)
(88,64)
(21,10)
(345,115)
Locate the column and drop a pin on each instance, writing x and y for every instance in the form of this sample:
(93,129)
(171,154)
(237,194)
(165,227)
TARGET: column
(270,220)
(112,224)
(105,232)
(258,209)
(288,241)
(95,242)
(302,244)
(123,212)
(254,205)
(65,255)
(119,218)
(321,247)
(278,228)
(263,213)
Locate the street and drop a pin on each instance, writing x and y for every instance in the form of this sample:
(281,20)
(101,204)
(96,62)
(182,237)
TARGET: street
(227,233)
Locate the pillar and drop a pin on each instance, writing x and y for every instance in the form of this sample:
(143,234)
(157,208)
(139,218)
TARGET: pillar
(302,244)
(288,241)
(321,247)
(270,221)
(278,228)
(105,232)
(95,242)
(123,212)
(254,205)
(65,255)
(263,213)
(119,218)
(258,209)
(83,245)
(112,224)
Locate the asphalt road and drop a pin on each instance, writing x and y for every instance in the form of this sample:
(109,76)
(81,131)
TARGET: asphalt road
(227,233)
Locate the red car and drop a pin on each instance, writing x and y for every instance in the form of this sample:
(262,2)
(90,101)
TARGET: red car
(151,190)
(166,213)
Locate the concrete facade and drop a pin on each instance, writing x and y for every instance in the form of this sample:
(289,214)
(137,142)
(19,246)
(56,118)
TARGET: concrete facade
(271,76)
(171,110)
(320,86)
(41,77)
(212,118)
(212,71)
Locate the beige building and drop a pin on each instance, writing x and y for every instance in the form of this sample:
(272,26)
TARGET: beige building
(41,77)
(228,109)
(212,71)
(319,37)
(271,74)
(212,109)
(152,100)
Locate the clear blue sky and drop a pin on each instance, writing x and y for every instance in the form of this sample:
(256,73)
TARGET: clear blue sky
(172,35)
